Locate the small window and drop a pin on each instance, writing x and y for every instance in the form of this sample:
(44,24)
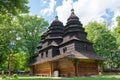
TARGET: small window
(41,55)
(64,49)
(46,53)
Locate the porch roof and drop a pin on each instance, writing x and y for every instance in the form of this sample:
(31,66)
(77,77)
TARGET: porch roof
(73,55)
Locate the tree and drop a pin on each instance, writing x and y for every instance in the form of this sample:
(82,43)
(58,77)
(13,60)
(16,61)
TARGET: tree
(9,29)
(20,62)
(12,7)
(117,31)
(22,34)
(33,27)
(117,35)
(9,32)
(104,42)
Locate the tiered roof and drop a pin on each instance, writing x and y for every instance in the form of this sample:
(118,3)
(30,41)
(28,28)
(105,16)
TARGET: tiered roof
(53,36)
(74,29)
(58,35)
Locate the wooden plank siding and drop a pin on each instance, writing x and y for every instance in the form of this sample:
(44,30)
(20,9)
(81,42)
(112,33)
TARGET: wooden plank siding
(43,69)
(67,68)
(87,68)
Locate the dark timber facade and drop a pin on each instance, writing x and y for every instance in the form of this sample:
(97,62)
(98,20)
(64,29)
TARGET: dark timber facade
(64,51)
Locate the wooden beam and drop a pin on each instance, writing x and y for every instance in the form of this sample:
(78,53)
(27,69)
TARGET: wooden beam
(76,67)
(97,63)
(51,68)
(75,63)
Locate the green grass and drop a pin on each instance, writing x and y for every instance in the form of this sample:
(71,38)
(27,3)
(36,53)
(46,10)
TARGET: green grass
(102,77)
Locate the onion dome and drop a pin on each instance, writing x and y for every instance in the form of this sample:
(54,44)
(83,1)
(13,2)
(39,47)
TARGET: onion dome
(73,23)
(56,22)
(73,16)
(74,28)
(55,31)
(73,19)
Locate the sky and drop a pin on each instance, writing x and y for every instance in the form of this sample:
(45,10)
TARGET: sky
(86,10)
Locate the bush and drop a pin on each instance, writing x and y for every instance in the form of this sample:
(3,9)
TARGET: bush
(15,76)
(3,72)
(4,77)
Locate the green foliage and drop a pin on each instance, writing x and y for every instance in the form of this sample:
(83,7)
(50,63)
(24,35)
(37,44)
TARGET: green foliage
(102,77)
(2,72)
(104,43)
(21,62)
(19,36)
(19,33)
(4,77)
(32,28)
(8,37)
(13,7)
(93,29)
(117,31)
(15,76)
(117,35)
(9,29)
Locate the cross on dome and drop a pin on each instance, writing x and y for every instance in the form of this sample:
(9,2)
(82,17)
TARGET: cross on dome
(72,10)
(56,17)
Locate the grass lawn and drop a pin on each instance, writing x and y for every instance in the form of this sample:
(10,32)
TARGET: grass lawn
(102,77)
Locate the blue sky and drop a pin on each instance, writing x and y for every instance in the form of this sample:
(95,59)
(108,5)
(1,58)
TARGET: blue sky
(86,10)
(36,6)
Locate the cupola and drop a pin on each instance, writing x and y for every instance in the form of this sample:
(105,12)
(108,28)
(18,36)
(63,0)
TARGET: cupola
(55,31)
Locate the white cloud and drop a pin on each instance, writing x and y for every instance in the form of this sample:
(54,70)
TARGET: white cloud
(63,11)
(114,22)
(87,10)
(44,1)
(50,9)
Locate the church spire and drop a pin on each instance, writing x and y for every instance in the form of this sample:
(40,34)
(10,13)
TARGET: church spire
(72,10)
(56,17)
(72,16)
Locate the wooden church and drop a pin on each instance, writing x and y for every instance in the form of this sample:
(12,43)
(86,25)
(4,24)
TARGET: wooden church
(64,51)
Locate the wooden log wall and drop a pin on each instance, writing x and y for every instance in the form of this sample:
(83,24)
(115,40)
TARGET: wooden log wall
(43,69)
(84,68)
(66,68)
(87,68)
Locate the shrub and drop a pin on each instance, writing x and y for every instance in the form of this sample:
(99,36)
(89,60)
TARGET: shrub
(15,76)
(3,72)
(4,77)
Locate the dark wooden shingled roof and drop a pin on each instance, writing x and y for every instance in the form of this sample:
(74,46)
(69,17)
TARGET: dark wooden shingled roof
(72,21)
(73,55)
(72,16)
(56,22)
(55,25)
